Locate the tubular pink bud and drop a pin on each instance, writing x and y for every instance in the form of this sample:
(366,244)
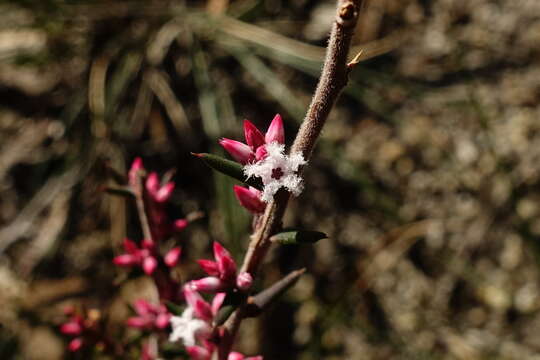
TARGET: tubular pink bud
(180,224)
(225,262)
(198,353)
(207,284)
(275,131)
(244,281)
(173,256)
(162,321)
(143,307)
(254,137)
(130,246)
(152,183)
(217,301)
(239,151)
(136,166)
(75,344)
(125,260)
(137,322)
(210,267)
(71,328)
(249,199)
(164,193)
(235,356)
(149,265)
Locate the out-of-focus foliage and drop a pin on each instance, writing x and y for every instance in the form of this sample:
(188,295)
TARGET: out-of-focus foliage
(426,178)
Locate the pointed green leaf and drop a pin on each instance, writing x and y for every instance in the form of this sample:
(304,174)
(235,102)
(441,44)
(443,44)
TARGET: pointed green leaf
(298,237)
(228,167)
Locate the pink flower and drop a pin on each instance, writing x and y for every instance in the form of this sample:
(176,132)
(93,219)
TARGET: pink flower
(250,198)
(81,328)
(135,256)
(254,148)
(222,271)
(149,316)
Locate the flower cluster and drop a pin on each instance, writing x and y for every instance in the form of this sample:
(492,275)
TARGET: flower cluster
(146,256)
(149,316)
(81,327)
(264,156)
(223,273)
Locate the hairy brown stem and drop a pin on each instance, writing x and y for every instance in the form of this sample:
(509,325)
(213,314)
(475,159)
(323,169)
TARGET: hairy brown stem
(333,79)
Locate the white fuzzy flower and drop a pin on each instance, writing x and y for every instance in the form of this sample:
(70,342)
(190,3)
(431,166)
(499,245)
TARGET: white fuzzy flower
(188,328)
(277,170)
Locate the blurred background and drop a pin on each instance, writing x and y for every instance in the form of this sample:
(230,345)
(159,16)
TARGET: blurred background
(426,178)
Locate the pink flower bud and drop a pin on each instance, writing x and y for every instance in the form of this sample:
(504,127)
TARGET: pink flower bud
(275,131)
(71,328)
(198,353)
(207,284)
(143,307)
(180,224)
(254,137)
(225,262)
(126,260)
(130,246)
(152,183)
(235,356)
(244,281)
(75,344)
(173,256)
(137,322)
(239,151)
(136,166)
(217,301)
(249,199)
(164,193)
(149,265)
(162,321)
(210,267)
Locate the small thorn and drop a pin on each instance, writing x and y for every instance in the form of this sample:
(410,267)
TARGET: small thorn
(355,60)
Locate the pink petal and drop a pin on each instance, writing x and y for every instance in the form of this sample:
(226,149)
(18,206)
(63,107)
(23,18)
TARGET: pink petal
(180,224)
(254,137)
(136,166)
(198,353)
(208,284)
(210,267)
(143,307)
(75,344)
(235,356)
(149,265)
(137,322)
(71,328)
(152,183)
(201,308)
(162,321)
(239,151)
(126,260)
(275,131)
(217,301)
(249,199)
(164,193)
(173,256)
(130,246)
(244,281)
(225,262)
(261,153)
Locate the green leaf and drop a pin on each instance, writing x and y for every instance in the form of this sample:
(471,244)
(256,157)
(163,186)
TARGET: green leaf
(228,167)
(174,309)
(293,237)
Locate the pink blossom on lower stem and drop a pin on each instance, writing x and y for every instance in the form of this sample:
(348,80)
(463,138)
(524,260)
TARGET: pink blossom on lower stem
(222,271)
(80,327)
(253,149)
(134,256)
(149,316)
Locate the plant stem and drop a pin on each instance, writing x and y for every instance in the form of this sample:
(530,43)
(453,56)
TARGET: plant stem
(333,79)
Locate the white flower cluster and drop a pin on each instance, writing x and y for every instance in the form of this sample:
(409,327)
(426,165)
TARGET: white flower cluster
(277,170)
